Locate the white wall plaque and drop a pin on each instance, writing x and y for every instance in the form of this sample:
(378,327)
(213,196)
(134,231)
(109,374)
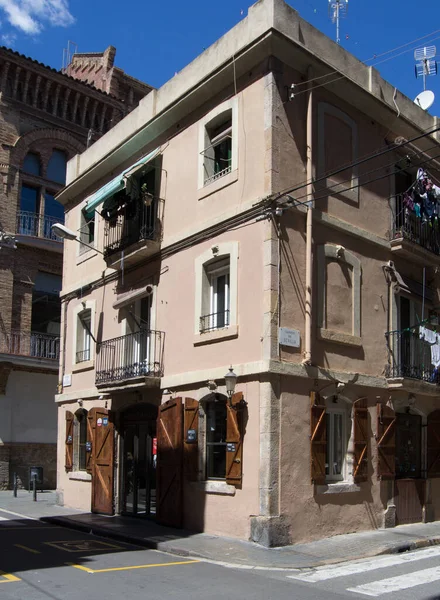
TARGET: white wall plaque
(289,337)
(67,380)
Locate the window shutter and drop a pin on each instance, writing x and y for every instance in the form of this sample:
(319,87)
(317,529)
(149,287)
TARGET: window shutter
(91,424)
(434,444)
(386,442)
(318,439)
(69,441)
(234,441)
(191,439)
(361,439)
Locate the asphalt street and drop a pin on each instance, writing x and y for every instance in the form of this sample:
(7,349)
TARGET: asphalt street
(41,562)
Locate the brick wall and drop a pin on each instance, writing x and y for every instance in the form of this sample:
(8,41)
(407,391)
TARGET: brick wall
(23,456)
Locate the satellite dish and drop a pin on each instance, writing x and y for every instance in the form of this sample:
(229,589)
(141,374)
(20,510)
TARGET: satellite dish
(425,99)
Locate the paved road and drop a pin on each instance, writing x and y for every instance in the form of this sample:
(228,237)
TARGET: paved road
(43,562)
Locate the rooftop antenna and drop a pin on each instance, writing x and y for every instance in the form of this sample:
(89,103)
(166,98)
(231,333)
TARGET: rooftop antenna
(68,52)
(337,9)
(426,64)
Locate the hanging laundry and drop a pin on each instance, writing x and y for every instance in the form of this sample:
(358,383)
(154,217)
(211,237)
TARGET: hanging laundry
(435,355)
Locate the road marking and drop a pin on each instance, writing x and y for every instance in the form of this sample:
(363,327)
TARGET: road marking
(10,512)
(7,577)
(26,548)
(3,519)
(352,568)
(172,564)
(84,546)
(394,584)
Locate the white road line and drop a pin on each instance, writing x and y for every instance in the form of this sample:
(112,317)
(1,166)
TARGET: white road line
(3,519)
(394,584)
(352,568)
(10,512)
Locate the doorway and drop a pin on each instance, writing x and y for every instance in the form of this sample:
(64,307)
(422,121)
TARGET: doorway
(410,485)
(139,454)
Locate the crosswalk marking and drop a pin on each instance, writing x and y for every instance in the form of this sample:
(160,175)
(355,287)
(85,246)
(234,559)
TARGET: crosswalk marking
(394,584)
(352,568)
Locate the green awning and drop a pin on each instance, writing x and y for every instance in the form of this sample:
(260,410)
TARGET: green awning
(116,184)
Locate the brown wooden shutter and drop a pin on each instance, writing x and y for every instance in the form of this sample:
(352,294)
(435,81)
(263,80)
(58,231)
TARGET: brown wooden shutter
(318,439)
(361,439)
(234,440)
(386,442)
(433,444)
(91,423)
(191,439)
(69,440)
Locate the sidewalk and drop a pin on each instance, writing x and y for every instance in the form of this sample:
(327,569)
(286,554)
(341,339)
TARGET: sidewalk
(232,552)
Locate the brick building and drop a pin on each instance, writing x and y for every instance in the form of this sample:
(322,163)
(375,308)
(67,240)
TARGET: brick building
(46,118)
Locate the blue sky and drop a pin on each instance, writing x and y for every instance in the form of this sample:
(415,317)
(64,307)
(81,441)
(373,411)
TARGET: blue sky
(156,39)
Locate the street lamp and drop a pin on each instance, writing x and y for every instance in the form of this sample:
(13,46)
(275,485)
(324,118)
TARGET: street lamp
(67,234)
(231,381)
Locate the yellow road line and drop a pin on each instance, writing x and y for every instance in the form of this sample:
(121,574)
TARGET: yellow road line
(26,548)
(7,577)
(183,562)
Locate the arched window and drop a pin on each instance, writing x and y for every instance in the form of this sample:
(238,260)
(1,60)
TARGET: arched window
(80,441)
(56,168)
(32,164)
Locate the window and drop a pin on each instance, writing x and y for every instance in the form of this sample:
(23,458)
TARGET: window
(216,439)
(31,164)
(87,231)
(336,446)
(216,296)
(56,168)
(83,336)
(29,219)
(80,440)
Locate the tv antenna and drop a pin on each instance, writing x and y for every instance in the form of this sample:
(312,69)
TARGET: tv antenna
(426,64)
(68,52)
(337,9)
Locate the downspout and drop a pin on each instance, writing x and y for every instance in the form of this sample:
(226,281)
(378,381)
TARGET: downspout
(309,256)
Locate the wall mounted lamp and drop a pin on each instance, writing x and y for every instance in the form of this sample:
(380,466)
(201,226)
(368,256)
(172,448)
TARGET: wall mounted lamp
(65,233)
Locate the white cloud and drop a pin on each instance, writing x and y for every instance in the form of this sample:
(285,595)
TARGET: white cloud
(30,16)
(9,39)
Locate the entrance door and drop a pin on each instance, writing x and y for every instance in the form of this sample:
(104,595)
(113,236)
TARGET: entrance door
(409,485)
(103,454)
(139,461)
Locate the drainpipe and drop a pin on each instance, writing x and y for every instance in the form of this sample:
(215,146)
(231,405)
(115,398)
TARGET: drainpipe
(309,257)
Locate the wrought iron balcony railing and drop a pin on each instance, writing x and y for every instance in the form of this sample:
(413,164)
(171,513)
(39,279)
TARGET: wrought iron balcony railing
(138,354)
(409,356)
(35,345)
(409,226)
(33,224)
(83,355)
(137,222)
(214,321)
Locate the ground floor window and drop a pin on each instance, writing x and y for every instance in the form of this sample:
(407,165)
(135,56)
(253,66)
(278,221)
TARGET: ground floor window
(216,439)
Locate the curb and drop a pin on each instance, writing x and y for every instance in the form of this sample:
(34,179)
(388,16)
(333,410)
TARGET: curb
(169,547)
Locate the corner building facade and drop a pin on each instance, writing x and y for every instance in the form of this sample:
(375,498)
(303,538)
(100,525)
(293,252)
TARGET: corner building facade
(210,250)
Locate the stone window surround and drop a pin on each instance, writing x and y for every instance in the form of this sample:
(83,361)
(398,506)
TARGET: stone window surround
(205,190)
(88,364)
(323,109)
(217,251)
(339,253)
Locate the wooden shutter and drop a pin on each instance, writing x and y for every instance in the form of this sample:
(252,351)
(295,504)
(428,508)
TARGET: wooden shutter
(69,440)
(191,439)
(169,510)
(91,424)
(318,439)
(103,462)
(386,442)
(361,439)
(433,444)
(234,440)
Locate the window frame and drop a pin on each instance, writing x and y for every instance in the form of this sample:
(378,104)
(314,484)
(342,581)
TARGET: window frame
(80,439)
(208,445)
(331,413)
(82,307)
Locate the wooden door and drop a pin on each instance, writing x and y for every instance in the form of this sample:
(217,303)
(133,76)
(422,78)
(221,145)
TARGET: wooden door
(169,510)
(103,463)
(409,499)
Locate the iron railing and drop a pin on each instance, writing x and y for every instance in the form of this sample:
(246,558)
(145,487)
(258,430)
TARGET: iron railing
(408,226)
(36,345)
(214,321)
(409,356)
(30,223)
(218,175)
(136,223)
(138,354)
(83,355)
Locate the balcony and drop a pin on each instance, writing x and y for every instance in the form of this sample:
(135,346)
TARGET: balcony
(136,357)
(409,357)
(214,321)
(414,237)
(134,233)
(33,345)
(36,225)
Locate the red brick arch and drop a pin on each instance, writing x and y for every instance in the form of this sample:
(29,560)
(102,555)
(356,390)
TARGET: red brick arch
(47,138)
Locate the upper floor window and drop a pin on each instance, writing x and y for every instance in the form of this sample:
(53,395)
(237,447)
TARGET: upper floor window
(87,231)
(56,167)
(32,164)
(83,336)
(216,299)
